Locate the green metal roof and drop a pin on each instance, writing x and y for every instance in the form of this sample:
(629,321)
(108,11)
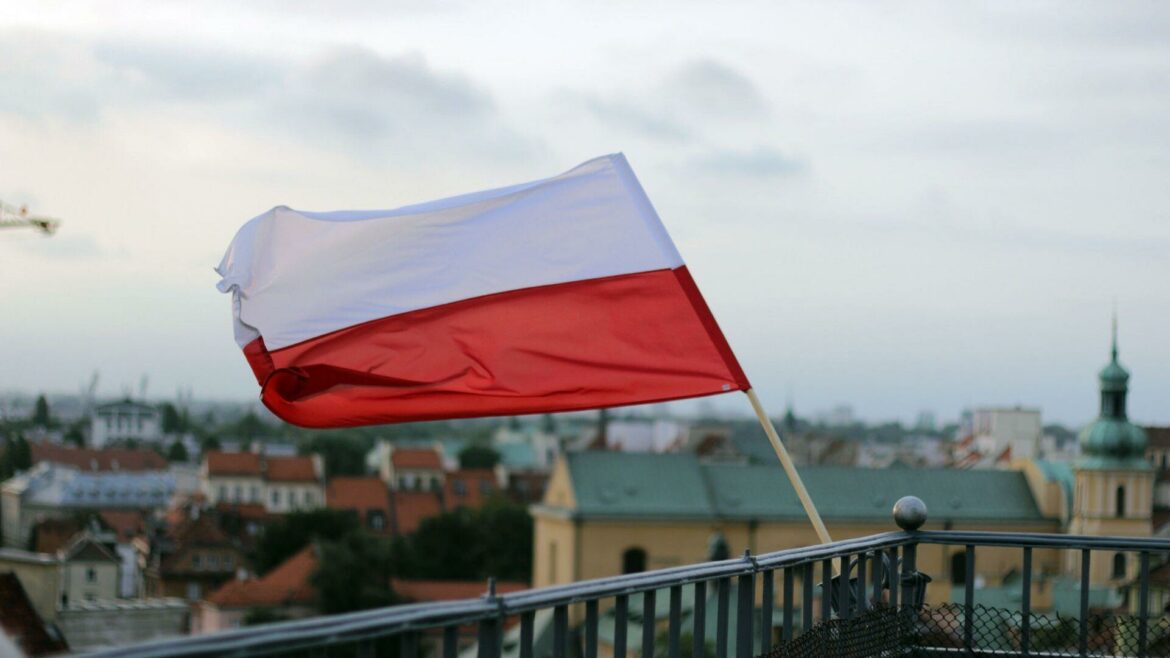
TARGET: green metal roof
(614,484)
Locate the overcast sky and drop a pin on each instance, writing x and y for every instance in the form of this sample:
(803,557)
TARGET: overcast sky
(893,205)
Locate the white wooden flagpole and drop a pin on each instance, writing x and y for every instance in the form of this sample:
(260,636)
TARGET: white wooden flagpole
(790,469)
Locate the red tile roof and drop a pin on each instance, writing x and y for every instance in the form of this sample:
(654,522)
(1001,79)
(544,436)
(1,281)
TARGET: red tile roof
(106,459)
(246,511)
(127,524)
(358,493)
(411,507)
(287,584)
(422,458)
(423,591)
(51,535)
(291,469)
(232,463)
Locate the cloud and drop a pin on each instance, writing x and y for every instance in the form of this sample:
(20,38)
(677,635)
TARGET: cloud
(761,161)
(352,100)
(711,88)
(72,248)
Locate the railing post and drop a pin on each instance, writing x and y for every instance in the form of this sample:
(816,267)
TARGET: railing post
(806,584)
(723,586)
(788,604)
(648,626)
(1143,604)
(526,628)
(560,630)
(591,628)
(674,630)
(699,630)
(743,616)
(1026,605)
(621,619)
(1083,630)
(768,600)
(969,599)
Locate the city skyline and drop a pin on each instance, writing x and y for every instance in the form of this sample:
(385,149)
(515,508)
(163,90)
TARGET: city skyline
(935,213)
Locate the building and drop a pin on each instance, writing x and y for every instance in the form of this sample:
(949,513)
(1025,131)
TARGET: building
(89,571)
(40,576)
(410,468)
(285,591)
(367,497)
(470,487)
(608,513)
(124,420)
(194,557)
(280,484)
(49,491)
(107,624)
(997,435)
(1114,492)
(20,621)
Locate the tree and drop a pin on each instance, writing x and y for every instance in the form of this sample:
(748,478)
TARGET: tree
(76,434)
(172,421)
(548,424)
(17,457)
(353,573)
(343,454)
(250,427)
(208,443)
(41,417)
(466,544)
(478,456)
(177,452)
(294,531)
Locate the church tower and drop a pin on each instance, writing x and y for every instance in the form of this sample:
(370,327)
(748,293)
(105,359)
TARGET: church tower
(1114,492)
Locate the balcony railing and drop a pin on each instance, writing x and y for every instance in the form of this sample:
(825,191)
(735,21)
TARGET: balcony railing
(773,603)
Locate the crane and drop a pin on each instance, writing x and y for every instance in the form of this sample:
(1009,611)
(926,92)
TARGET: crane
(12,217)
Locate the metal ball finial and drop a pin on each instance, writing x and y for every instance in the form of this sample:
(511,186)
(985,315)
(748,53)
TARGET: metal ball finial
(910,513)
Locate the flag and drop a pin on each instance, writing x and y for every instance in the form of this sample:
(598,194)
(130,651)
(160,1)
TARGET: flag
(556,295)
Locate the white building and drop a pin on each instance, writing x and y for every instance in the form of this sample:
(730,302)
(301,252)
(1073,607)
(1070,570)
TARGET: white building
(999,435)
(279,484)
(124,420)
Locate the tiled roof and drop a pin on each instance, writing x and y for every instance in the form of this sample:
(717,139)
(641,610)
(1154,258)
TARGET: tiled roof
(358,493)
(85,549)
(680,486)
(106,459)
(423,458)
(51,535)
(126,524)
(285,585)
(290,469)
(246,511)
(21,622)
(232,463)
(411,507)
(422,591)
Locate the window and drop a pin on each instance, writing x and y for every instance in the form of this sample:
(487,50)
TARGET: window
(634,560)
(460,488)
(222,492)
(436,484)
(90,575)
(308,496)
(255,494)
(213,562)
(196,561)
(239,493)
(376,519)
(959,568)
(228,563)
(552,562)
(485,487)
(1119,503)
(275,497)
(194,591)
(1119,565)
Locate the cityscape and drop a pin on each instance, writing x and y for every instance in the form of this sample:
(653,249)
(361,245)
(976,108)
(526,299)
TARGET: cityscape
(397,329)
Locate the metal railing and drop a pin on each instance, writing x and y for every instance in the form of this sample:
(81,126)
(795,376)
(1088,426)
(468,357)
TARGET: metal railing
(879,573)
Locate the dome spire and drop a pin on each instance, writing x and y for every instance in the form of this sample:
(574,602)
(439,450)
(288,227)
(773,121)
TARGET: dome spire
(1114,331)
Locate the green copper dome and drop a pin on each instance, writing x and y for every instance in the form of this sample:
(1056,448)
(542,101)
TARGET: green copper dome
(1112,441)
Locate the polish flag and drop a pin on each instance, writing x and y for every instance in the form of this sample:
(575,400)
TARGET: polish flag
(556,295)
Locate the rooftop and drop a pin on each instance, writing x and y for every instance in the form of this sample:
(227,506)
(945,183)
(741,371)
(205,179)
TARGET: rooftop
(290,469)
(53,485)
(105,459)
(232,463)
(614,484)
(420,458)
(285,585)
